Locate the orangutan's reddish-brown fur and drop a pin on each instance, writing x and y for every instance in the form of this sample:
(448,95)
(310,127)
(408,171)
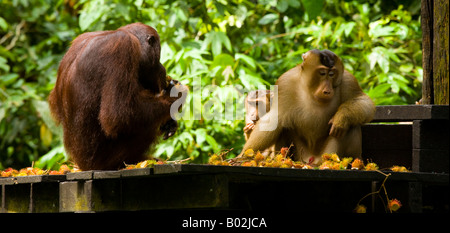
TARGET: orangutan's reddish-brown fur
(112,96)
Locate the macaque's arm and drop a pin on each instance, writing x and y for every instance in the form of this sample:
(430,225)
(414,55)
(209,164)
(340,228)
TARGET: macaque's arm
(261,140)
(356,109)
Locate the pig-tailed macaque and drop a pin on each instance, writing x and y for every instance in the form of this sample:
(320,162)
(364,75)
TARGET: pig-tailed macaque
(257,104)
(320,108)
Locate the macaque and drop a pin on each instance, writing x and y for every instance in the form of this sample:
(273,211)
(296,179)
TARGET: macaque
(320,108)
(253,101)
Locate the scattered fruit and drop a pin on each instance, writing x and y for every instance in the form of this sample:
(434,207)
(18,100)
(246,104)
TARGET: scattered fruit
(282,160)
(249,153)
(360,209)
(371,167)
(394,204)
(358,164)
(249,159)
(143,164)
(399,169)
(33,171)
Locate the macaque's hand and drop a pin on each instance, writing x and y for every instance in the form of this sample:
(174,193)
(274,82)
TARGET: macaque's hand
(339,126)
(248,127)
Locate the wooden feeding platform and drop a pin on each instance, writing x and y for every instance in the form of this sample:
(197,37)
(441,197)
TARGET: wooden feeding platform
(419,138)
(421,144)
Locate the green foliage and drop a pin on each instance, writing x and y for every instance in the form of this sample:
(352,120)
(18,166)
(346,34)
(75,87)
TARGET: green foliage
(220,49)
(33,37)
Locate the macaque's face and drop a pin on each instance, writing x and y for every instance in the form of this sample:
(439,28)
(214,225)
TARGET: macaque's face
(324,73)
(257,104)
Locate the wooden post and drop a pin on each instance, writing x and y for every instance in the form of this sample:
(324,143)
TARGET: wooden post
(435,46)
(440,53)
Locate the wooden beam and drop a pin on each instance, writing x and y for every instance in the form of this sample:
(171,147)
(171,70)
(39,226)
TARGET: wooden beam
(399,113)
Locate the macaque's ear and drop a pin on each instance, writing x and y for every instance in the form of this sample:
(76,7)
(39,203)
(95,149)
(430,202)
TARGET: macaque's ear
(304,56)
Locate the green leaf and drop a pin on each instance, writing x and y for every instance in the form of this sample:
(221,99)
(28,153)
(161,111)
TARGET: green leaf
(52,158)
(166,147)
(2,113)
(348,28)
(169,150)
(282,5)
(4,64)
(383,62)
(247,59)
(91,14)
(379,90)
(313,8)
(3,24)
(406,68)
(8,79)
(269,18)
(222,60)
(212,142)
(217,39)
(251,80)
(200,135)
(224,40)
(166,52)
(293,3)
(185,138)
(379,56)
(43,109)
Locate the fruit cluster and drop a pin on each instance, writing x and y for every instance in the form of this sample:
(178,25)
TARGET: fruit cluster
(333,162)
(281,160)
(143,164)
(33,171)
(252,159)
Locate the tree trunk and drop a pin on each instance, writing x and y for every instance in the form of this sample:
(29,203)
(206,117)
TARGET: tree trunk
(435,48)
(440,52)
(426,13)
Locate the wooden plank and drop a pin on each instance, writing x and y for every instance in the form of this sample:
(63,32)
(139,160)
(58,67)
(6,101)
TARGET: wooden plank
(429,160)
(167,168)
(137,172)
(299,196)
(68,194)
(44,197)
(107,174)
(390,113)
(386,137)
(430,146)
(39,178)
(106,193)
(84,175)
(16,198)
(7,180)
(431,134)
(2,198)
(75,196)
(304,174)
(175,191)
(387,144)
(435,199)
